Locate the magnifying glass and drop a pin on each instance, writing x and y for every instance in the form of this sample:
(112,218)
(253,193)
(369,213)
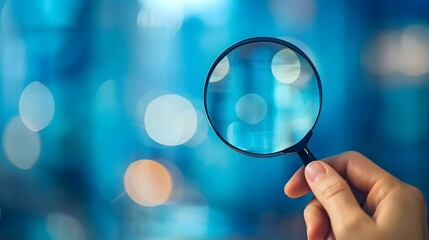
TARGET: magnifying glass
(262,97)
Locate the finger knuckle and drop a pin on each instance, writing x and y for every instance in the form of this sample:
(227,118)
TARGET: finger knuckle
(332,189)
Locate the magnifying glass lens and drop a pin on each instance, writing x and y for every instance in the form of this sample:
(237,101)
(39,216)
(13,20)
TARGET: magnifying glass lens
(262,96)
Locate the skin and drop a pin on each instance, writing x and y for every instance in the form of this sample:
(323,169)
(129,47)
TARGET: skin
(356,199)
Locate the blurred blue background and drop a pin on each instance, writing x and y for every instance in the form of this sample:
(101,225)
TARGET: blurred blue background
(89,88)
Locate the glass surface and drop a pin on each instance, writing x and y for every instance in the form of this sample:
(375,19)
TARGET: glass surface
(262,97)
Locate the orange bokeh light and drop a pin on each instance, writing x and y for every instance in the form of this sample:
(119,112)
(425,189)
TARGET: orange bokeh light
(148,183)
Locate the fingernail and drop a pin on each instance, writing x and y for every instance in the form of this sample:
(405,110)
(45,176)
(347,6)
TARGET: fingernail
(314,170)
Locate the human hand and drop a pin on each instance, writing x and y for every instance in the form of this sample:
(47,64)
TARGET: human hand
(356,199)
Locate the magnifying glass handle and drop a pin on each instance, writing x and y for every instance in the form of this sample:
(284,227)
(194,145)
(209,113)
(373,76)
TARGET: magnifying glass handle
(306,156)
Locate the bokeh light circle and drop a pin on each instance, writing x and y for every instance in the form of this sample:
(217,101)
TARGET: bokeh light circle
(415,49)
(21,146)
(251,108)
(148,183)
(220,71)
(36,106)
(286,66)
(170,120)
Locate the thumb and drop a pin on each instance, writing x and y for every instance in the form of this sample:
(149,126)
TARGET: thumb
(333,193)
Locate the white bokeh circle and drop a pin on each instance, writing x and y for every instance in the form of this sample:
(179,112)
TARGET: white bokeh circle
(286,66)
(170,120)
(220,71)
(251,108)
(36,106)
(21,145)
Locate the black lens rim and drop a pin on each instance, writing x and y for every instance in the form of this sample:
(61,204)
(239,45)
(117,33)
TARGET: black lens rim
(292,149)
